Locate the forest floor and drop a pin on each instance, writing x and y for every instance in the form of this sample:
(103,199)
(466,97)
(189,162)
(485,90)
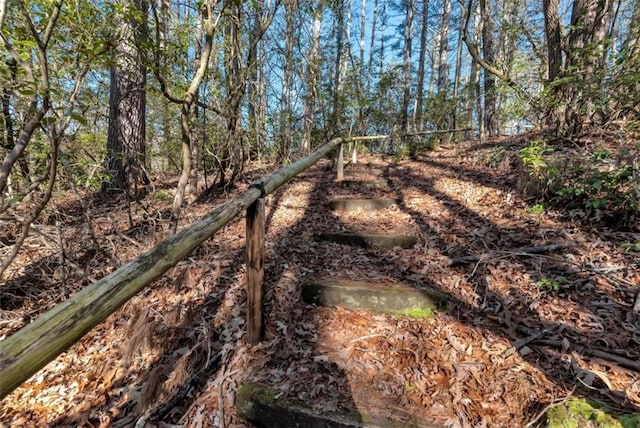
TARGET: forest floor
(519,332)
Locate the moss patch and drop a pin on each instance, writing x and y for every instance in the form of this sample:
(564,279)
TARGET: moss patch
(581,413)
(418,313)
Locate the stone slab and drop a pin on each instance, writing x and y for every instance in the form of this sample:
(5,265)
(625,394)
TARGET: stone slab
(389,298)
(367,241)
(361,204)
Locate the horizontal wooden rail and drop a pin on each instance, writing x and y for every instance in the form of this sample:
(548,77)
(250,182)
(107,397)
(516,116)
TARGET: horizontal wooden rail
(441,131)
(408,134)
(32,347)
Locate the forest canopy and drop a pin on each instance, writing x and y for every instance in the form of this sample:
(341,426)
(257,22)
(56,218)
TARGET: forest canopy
(108,95)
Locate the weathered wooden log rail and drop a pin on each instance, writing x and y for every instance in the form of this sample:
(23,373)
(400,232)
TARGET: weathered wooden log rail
(32,347)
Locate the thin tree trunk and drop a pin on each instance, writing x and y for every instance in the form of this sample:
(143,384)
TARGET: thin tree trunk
(456,79)
(191,190)
(406,68)
(208,25)
(40,102)
(490,114)
(254,86)
(372,46)
(337,77)
(476,76)
(312,83)
(443,65)
(232,155)
(417,114)
(361,95)
(284,145)
(9,141)
(383,20)
(443,49)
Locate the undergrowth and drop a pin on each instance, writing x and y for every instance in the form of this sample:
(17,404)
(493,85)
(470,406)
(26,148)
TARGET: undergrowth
(590,182)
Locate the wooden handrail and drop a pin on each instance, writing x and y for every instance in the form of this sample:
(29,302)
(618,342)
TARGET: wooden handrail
(29,349)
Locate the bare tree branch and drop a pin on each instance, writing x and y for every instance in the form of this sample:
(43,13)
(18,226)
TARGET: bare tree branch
(53,168)
(32,124)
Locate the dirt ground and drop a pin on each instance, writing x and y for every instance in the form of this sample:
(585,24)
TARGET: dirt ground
(519,331)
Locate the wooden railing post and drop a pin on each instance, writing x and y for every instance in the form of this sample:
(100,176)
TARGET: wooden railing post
(354,156)
(341,162)
(255,271)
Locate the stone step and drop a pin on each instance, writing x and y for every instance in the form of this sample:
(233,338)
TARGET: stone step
(367,241)
(367,166)
(365,184)
(266,407)
(357,172)
(390,298)
(361,204)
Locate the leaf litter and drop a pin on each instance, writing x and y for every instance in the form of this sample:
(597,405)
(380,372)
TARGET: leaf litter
(512,340)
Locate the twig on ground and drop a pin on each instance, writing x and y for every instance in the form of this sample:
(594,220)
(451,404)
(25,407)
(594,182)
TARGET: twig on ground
(368,336)
(221,402)
(523,251)
(535,420)
(621,361)
(532,338)
(603,272)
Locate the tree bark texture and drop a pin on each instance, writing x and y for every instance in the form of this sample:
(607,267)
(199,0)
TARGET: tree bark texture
(336,115)
(490,117)
(553,33)
(126,145)
(417,114)
(255,271)
(406,65)
(313,65)
(188,103)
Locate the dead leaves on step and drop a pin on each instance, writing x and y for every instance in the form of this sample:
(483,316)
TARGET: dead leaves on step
(443,372)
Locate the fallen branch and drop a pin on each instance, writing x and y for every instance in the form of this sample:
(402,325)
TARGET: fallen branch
(621,361)
(636,306)
(523,251)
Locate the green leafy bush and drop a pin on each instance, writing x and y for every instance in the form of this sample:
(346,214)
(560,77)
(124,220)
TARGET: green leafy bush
(596,184)
(578,413)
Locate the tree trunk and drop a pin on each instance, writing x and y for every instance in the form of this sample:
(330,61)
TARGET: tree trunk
(418,114)
(362,96)
(9,142)
(336,119)
(555,111)
(232,157)
(490,114)
(443,66)
(254,87)
(285,138)
(312,82)
(187,105)
(475,77)
(372,46)
(456,79)
(192,186)
(586,44)
(381,53)
(406,71)
(126,143)
(443,50)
